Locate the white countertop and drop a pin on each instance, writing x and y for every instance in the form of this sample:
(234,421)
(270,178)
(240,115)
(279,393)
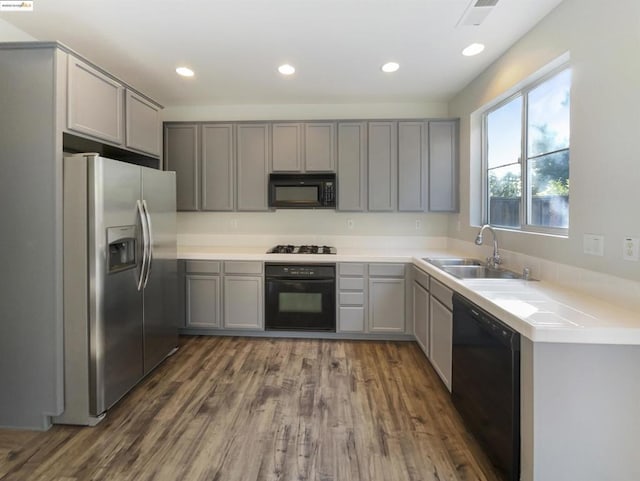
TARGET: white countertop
(539,310)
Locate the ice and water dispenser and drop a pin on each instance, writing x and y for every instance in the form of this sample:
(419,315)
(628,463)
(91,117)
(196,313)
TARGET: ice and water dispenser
(121,250)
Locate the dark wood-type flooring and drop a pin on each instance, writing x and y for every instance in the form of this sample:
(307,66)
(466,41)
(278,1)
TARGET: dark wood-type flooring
(243,409)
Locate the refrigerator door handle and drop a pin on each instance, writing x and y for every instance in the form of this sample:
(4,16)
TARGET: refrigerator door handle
(145,244)
(149,242)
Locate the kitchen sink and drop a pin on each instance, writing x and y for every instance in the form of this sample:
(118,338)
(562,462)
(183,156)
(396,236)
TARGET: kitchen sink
(453,261)
(469,268)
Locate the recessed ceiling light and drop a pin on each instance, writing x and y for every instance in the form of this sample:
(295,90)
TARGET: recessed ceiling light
(286,69)
(390,67)
(184,71)
(473,49)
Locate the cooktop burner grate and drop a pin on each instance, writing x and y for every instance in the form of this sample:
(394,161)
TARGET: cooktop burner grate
(306,249)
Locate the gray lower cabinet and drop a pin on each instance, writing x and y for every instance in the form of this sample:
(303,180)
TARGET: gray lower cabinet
(142,122)
(443,166)
(252,166)
(218,167)
(181,154)
(320,146)
(387,298)
(94,102)
(352,166)
(441,330)
(421,312)
(412,166)
(243,303)
(382,166)
(202,301)
(203,289)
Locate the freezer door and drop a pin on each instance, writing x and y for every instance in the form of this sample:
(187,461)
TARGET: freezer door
(116,305)
(161,280)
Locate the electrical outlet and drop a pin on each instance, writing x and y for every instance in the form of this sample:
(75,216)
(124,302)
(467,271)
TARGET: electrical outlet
(631,248)
(350,224)
(593,244)
(418,224)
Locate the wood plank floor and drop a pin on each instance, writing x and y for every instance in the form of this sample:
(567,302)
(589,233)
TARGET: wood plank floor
(227,409)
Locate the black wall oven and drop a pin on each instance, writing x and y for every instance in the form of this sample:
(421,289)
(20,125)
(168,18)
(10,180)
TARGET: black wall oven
(300,297)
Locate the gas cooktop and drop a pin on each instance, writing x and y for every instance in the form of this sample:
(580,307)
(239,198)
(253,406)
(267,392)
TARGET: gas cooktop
(289,249)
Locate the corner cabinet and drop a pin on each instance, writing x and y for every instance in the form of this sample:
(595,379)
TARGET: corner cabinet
(441,330)
(421,309)
(181,154)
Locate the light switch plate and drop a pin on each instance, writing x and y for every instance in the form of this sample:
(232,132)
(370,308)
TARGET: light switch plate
(593,244)
(631,248)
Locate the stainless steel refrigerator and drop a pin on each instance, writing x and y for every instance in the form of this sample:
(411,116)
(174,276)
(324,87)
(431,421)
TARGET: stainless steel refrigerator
(120,280)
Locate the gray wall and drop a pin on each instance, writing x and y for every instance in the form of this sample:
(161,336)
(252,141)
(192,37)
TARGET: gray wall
(603,39)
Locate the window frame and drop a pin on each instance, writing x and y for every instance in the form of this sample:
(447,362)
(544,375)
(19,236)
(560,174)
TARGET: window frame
(524,159)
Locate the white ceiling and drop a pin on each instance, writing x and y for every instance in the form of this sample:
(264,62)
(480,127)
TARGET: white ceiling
(235,46)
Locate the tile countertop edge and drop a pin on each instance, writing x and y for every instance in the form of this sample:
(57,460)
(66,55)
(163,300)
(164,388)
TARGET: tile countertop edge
(577,334)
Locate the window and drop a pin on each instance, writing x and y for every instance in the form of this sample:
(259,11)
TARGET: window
(526,157)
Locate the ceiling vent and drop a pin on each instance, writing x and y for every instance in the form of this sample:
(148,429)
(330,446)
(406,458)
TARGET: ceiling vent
(476,12)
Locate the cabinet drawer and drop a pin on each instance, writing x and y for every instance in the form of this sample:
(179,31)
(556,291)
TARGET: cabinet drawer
(351,298)
(442,293)
(386,270)
(351,283)
(203,267)
(351,319)
(421,277)
(351,269)
(242,267)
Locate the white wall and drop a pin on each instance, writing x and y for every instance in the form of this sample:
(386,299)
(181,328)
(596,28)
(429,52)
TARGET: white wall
(603,39)
(9,33)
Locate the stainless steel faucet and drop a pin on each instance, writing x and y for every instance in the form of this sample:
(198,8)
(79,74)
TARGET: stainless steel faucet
(495,260)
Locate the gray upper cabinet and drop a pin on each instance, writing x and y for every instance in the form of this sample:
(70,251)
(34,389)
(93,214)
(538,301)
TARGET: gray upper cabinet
(352,166)
(143,131)
(181,152)
(287,147)
(412,166)
(253,166)
(218,161)
(320,146)
(383,166)
(443,166)
(95,102)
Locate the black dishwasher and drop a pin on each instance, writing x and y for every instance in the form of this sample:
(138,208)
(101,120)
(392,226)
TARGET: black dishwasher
(485,386)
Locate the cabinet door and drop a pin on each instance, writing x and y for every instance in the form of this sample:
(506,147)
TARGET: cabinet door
(352,166)
(243,302)
(218,179)
(287,147)
(386,305)
(441,340)
(443,166)
(320,147)
(421,316)
(143,126)
(383,166)
(253,166)
(412,165)
(94,102)
(181,155)
(203,301)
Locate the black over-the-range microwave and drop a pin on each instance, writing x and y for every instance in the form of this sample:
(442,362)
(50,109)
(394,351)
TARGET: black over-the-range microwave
(300,191)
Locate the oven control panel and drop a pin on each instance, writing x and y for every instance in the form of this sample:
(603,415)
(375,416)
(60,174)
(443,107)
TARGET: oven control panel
(301,271)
